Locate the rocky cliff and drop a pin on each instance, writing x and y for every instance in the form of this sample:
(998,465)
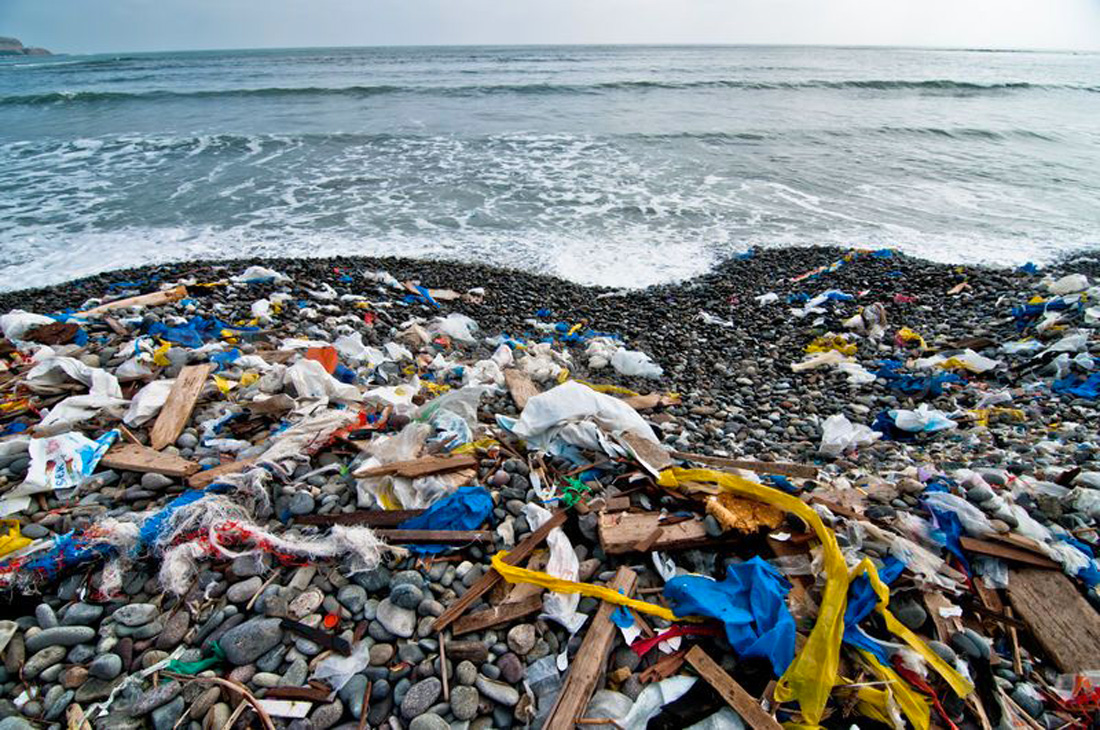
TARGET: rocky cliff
(15,47)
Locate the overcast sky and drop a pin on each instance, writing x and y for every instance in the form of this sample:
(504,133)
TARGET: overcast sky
(87,26)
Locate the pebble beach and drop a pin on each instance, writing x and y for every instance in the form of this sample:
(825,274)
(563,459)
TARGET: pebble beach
(934,417)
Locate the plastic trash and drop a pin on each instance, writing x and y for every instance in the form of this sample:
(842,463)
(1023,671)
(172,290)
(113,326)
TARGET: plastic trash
(260,275)
(337,670)
(924,419)
(64,461)
(769,298)
(458,327)
(547,413)
(964,360)
(542,362)
(310,380)
(465,509)
(840,435)
(634,363)
(1068,284)
(751,602)
(17,323)
(563,563)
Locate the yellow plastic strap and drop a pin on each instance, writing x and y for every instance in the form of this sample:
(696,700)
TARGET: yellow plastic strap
(812,674)
(608,388)
(907,335)
(563,375)
(875,704)
(824,343)
(14,540)
(224,385)
(512,574)
(483,444)
(958,683)
(914,706)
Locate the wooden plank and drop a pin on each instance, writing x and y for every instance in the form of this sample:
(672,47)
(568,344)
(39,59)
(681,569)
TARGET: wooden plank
(503,613)
(1007,552)
(154,299)
(652,456)
(422,467)
(650,401)
(133,457)
(591,659)
(313,694)
(448,537)
(620,532)
(368,517)
(646,543)
(490,578)
(209,476)
(1058,616)
(317,636)
(799,471)
(733,693)
(945,626)
(520,386)
(177,409)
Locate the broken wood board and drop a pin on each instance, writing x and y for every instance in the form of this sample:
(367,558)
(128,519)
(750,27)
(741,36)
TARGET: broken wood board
(946,625)
(209,476)
(177,409)
(447,537)
(1058,616)
(650,401)
(490,578)
(733,693)
(520,386)
(503,613)
(422,467)
(746,516)
(1007,552)
(154,299)
(295,709)
(591,659)
(651,455)
(620,532)
(799,471)
(368,517)
(132,457)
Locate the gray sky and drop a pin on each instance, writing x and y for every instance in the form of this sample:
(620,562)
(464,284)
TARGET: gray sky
(86,26)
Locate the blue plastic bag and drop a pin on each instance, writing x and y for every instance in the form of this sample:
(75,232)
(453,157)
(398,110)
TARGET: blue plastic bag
(466,509)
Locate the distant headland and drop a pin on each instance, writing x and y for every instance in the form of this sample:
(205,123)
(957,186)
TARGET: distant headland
(15,47)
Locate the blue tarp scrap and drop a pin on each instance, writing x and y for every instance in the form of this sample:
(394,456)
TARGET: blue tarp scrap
(465,509)
(1026,313)
(780,482)
(224,359)
(752,604)
(1028,268)
(883,253)
(423,297)
(914,385)
(798,298)
(861,601)
(1081,387)
(195,333)
(884,424)
(949,529)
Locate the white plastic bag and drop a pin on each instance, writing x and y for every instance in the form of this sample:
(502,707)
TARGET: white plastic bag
(635,363)
(838,435)
(64,461)
(769,298)
(1068,284)
(17,323)
(337,670)
(973,519)
(547,412)
(147,402)
(543,363)
(563,563)
(259,275)
(458,327)
(311,380)
(924,419)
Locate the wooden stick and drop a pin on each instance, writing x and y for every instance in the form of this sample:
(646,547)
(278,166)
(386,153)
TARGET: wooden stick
(501,614)
(590,660)
(274,574)
(1017,660)
(368,517)
(200,479)
(237,712)
(154,299)
(138,458)
(177,409)
(366,705)
(443,667)
(490,578)
(800,471)
(733,693)
(232,687)
(449,537)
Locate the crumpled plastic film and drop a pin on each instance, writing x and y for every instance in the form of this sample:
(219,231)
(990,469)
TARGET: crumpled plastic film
(811,677)
(915,707)
(958,683)
(512,574)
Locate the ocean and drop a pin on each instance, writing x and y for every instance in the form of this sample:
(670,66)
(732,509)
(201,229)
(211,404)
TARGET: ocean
(619,166)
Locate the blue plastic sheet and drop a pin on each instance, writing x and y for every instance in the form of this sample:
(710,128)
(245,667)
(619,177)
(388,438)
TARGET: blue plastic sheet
(466,509)
(861,601)
(1028,268)
(949,529)
(1028,312)
(751,602)
(1081,387)
(913,385)
(193,334)
(224,359)
(780,482)
(884,424)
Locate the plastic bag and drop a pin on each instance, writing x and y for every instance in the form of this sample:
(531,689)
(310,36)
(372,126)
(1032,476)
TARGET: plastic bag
(310,380)
(53,371)
(1068,284)
(769,298)
(394,395)
(924,419)
(599,351)
(840,435)
(563,563)
(965,360)
(546,413)
(543,363)
(147,402)
(458,327)
(64,461)
(634,363)
(77,408)
(17,323)
(1074,342)
(336,670)
(260,275)
(652,698)
(973,519)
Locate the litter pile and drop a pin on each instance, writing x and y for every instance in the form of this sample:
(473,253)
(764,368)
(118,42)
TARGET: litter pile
(320,495)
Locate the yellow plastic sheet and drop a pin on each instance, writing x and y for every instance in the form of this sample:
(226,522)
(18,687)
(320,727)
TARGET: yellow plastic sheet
(813,673)
(224,385)
(957,682)
(14,539)
(160,356)
(907,335)
(249,378)
(825,343)
(512,574)
(483,444)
